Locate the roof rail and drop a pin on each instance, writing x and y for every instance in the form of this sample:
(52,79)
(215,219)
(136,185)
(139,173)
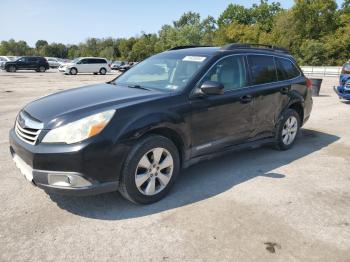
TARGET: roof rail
(187,46)
(251,46)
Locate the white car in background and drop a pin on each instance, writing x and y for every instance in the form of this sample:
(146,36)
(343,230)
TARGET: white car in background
(53,62)
(4,59)
(93,65)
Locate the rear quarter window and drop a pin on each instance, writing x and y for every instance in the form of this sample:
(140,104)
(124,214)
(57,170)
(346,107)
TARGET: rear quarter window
(100,61)
(262,68)
(286,69)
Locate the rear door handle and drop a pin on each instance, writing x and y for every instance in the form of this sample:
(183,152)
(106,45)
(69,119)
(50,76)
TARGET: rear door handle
(246,99)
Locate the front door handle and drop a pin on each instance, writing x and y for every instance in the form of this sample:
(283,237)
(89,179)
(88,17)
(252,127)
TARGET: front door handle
(246,99)
(285,89)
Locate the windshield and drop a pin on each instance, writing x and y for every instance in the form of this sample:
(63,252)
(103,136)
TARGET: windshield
(74,61)
(346,69)
(164,72)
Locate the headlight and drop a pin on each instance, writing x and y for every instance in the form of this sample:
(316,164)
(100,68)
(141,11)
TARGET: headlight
(79,130)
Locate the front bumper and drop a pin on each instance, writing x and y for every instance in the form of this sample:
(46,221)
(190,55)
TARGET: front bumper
(91,161)
(63,69)
(341,92)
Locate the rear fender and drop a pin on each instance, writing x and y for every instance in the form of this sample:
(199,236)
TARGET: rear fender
(294,98)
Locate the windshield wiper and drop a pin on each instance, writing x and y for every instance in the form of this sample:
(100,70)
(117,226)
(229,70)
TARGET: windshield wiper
(130,86)
(139,87)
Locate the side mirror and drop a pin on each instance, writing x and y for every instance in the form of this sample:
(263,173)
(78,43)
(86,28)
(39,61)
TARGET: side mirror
(212,88)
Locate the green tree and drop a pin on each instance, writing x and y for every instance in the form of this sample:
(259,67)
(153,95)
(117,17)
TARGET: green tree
(235,14)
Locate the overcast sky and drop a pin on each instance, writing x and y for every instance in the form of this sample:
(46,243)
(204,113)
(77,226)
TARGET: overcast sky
(71,22)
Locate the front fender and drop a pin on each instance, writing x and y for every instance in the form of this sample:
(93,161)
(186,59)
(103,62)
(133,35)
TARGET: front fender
(160,120)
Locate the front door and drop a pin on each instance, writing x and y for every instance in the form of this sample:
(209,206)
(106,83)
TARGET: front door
(22,63)
(219,121)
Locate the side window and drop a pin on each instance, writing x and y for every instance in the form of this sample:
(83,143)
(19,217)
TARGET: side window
(229,71)
(84,61)
(32,59)
(286,69)
(101,61)
(262,69)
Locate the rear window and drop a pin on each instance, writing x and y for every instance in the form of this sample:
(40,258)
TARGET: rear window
(286,69)
(262,69)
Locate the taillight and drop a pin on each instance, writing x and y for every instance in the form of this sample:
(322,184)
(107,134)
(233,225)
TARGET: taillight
(308,83)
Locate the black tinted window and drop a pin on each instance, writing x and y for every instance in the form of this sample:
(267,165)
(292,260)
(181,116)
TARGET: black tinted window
(262,68)
(230,72)
(100,61)
(32,59)
(286,69)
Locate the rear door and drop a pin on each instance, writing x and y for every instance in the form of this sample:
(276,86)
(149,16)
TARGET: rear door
(32,63)
(270,93)
(102,63)
(219,121)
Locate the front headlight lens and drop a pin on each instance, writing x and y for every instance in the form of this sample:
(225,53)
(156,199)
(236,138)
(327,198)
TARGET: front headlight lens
(79,130)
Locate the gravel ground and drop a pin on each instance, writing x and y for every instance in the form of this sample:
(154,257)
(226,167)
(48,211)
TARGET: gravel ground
(255,205)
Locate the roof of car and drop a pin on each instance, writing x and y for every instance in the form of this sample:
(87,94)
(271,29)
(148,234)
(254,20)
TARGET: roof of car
(92,57)
(231,48)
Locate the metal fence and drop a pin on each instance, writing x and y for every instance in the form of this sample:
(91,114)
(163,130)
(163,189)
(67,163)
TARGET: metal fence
(321,70)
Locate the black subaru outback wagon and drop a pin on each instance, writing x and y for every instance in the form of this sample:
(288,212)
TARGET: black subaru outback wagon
(135,133)
(37,63)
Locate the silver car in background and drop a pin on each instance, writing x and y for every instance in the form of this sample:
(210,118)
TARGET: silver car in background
(53,62)
(4,59)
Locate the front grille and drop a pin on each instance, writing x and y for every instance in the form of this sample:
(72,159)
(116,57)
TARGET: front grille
(27,128)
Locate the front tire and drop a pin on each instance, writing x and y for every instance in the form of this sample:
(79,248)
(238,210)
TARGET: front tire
(288,129)
(73,71)
(150,170)
(103,71)
(11,69)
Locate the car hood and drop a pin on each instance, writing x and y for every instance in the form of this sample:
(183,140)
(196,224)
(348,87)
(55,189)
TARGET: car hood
(57,109)
(67,64)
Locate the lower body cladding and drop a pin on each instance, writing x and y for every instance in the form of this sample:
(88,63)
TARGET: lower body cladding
(343,92)
(87,168)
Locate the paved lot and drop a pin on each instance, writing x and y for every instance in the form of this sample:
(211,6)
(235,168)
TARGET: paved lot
(260,205)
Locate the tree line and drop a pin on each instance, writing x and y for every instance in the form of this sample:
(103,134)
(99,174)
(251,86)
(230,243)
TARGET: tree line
(317,32)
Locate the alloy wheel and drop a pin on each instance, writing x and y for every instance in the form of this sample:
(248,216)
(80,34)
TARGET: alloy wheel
(154,171)
(290,130)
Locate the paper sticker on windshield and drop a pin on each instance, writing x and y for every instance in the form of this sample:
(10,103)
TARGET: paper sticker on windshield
(194,58)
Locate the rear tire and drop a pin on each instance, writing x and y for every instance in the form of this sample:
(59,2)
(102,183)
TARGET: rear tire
(150,170)
(103,71)
(288,129)
(73,71)
(41,69)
